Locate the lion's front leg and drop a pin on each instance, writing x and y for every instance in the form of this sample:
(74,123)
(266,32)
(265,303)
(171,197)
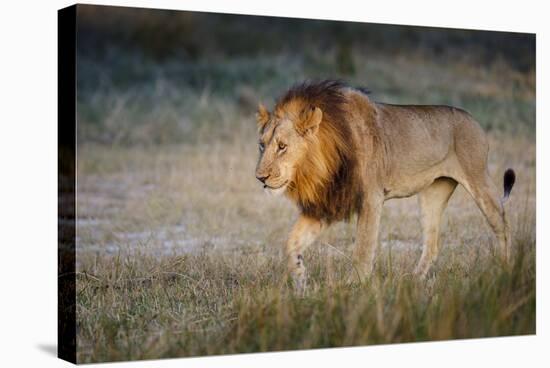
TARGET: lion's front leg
(366,243)
(305,231)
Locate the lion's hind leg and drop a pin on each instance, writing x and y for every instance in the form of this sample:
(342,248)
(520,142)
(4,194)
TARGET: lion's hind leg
(433,201)
(486,197)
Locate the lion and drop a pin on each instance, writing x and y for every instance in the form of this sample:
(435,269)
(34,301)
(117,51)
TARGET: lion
(334,152)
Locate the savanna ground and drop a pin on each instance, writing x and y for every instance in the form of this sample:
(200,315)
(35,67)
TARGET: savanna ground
(179,251)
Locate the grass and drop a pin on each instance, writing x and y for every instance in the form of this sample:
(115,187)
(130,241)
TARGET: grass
(235,302)
(179,252)
(138,102)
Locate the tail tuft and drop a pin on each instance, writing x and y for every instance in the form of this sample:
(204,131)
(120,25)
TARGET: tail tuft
(509,180)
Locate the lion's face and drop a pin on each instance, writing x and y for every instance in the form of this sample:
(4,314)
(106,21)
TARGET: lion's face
(281,149)
(283,144)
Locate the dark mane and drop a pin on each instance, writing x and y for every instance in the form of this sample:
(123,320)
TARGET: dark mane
(326,185)
(363,90)
(325,94)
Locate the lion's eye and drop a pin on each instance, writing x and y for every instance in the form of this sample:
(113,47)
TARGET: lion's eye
(282,146)
(262,147)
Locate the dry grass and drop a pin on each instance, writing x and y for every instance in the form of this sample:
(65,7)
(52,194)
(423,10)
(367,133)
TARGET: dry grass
(214,303)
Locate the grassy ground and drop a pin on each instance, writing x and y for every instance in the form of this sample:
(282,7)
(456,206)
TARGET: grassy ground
(179,252)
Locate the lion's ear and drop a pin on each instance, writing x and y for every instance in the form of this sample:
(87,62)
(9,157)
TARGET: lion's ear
(309,121)
(262,116)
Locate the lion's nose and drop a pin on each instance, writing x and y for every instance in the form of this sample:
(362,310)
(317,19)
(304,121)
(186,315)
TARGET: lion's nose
(262,178)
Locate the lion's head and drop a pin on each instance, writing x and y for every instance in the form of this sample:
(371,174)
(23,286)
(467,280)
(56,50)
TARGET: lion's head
(285,138)
(305,146)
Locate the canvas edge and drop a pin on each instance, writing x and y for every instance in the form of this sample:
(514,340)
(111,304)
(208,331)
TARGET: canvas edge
(66,104)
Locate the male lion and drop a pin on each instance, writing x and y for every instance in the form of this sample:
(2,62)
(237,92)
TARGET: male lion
(334,152)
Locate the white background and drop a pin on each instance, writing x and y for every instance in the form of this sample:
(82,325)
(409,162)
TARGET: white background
(28,182)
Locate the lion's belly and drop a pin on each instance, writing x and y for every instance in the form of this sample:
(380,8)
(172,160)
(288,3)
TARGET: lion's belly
(406,190)
(407,184)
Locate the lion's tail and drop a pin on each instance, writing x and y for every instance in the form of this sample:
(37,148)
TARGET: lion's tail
(509,180)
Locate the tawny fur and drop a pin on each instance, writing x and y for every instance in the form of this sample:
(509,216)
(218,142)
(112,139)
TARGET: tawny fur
(334,153)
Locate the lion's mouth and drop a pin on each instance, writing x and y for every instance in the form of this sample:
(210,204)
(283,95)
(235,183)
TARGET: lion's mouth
(275,188)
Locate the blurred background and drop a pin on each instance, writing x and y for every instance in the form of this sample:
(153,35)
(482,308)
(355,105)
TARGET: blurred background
(151,77)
